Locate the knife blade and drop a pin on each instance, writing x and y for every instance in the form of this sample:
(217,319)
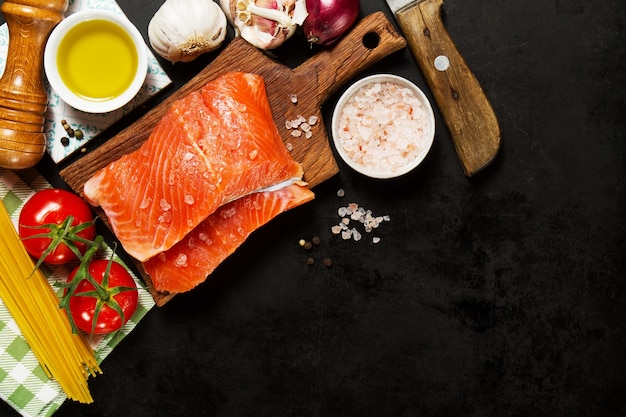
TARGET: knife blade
(466,111)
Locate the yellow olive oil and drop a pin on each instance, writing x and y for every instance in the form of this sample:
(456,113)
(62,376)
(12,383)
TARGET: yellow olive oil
(97,60)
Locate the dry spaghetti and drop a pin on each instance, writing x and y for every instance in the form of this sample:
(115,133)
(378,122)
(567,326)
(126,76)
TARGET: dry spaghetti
(64,356)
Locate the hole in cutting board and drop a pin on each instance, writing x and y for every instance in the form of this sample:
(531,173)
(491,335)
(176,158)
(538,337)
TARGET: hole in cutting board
(371,40)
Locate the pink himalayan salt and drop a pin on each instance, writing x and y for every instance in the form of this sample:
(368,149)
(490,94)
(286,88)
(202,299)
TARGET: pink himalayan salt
(382,126)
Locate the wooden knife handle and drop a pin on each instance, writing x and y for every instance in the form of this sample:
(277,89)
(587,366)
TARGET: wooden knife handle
(466,110)
(23,99)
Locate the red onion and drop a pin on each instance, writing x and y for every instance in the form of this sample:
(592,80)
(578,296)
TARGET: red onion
(328,20)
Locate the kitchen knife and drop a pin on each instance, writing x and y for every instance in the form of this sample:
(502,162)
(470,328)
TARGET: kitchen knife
(466,110)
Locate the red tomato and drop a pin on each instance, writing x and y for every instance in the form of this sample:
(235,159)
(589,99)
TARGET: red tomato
(83,308)
(52,207)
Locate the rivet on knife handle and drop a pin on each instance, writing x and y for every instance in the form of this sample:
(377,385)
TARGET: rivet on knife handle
(466,110)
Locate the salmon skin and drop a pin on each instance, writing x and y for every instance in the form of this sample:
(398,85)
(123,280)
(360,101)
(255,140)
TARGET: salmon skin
(190,261)
(211,147)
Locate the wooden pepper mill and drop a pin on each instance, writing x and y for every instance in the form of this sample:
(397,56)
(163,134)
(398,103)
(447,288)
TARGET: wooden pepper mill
(23,99)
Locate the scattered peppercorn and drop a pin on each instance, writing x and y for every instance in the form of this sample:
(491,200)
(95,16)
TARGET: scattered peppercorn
(311,245)
(78,134)
(65,141)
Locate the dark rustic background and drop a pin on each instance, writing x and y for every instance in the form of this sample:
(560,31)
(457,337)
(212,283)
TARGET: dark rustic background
(499,295)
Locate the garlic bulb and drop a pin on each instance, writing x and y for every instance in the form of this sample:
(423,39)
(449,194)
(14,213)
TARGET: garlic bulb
(182,30)
(266,24)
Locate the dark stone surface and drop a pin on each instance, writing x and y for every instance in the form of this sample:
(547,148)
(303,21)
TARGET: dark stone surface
(499,295)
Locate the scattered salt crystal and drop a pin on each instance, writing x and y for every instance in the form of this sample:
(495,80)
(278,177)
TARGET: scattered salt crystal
(293,98)
(181,260)
(301,125)
(189,199)
(188,156)
(341,192)
(355,213)
(165,206)
(253,153)
(289,146)
(228,212)
(145,203)
(165,218)
(203,237)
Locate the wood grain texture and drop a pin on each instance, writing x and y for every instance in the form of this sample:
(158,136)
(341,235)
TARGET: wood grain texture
(466,110)
(313,82)
(23,99)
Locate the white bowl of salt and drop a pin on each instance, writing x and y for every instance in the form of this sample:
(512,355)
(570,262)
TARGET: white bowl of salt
(383,126)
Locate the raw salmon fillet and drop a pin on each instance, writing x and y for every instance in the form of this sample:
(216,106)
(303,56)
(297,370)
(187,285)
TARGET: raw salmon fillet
(211,147)
(191,260)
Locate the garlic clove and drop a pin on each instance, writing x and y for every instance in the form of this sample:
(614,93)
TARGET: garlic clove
(182,30)
(299,12)
(266,24)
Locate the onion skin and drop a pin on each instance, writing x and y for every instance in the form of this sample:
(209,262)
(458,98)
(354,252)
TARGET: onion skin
(329,20)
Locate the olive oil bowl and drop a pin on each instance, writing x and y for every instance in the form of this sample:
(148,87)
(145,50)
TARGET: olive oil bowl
(96,60)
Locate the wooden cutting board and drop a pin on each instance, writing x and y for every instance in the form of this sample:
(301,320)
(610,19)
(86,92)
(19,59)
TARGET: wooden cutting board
(313,82)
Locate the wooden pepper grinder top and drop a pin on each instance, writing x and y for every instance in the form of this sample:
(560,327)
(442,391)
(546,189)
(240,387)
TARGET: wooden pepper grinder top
(23,99)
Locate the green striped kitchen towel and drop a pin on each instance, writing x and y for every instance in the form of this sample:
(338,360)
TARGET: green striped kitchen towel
(23,383)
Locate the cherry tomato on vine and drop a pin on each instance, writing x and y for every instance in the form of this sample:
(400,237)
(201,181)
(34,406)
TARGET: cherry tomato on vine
(117,290)
(44,219)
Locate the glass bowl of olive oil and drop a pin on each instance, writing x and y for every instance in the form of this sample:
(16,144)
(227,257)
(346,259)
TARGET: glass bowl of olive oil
(96,60)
